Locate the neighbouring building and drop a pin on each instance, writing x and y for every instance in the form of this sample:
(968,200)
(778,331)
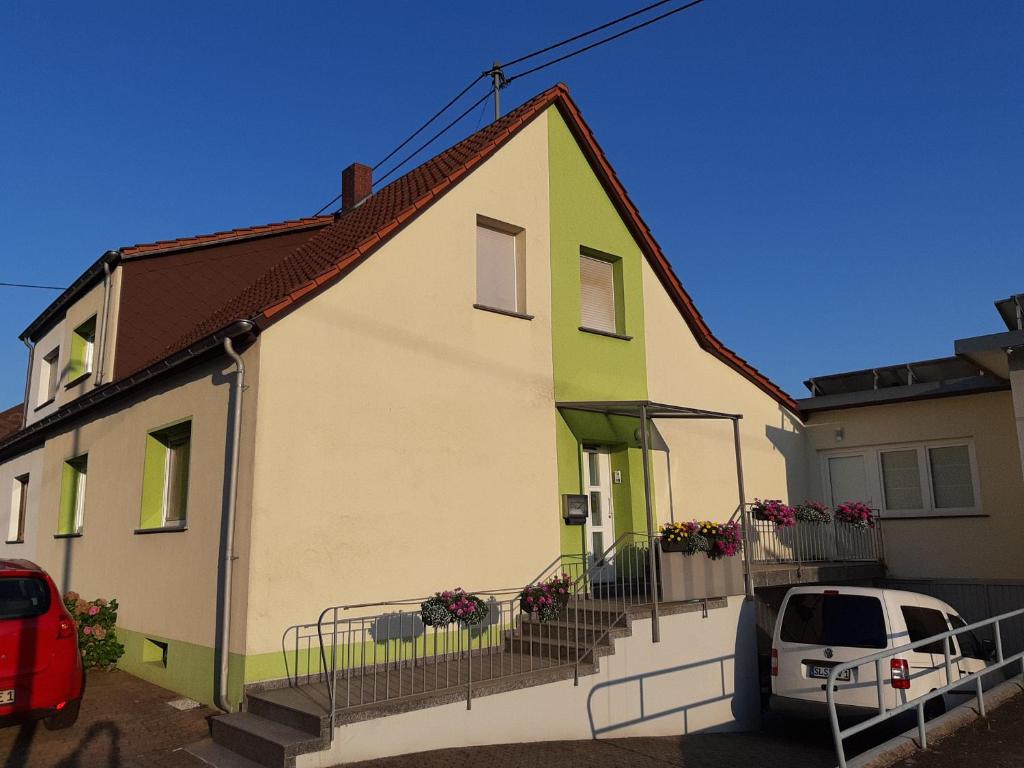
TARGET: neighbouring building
(937,447)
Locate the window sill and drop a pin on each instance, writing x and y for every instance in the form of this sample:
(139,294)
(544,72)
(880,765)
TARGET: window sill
(76,535)
(15,541)
(609,334)
(162,529)
(78,380)
(930,514)
(43,405)
(506,312)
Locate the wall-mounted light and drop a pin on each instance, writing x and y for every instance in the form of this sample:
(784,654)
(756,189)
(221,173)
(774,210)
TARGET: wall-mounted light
(840,434)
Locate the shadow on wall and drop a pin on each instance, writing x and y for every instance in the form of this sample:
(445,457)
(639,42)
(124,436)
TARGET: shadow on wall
(664,692)
(788,439)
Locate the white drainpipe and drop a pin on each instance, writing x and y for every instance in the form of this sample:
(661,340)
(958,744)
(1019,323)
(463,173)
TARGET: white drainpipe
(228,552)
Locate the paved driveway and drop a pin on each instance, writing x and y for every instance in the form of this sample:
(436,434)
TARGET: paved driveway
(124,723)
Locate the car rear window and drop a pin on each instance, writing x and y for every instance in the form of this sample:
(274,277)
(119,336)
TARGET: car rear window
(924,623)
(22,597)
(851,621)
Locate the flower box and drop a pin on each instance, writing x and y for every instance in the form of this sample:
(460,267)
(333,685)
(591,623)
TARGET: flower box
(695,577)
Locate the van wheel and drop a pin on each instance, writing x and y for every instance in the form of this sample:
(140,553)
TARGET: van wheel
(65,718)
(934,708)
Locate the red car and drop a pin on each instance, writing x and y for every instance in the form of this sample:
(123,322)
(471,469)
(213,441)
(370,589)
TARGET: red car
(41,673)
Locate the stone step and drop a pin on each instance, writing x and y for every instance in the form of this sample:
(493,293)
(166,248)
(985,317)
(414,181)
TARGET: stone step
(562,651)
(267,742)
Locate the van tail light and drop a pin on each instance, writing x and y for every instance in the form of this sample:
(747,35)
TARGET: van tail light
(899,674)
(61,705)
(65,629)
(775,662)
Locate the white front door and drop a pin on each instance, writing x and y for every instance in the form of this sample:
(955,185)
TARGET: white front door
(600,529)
(847,478)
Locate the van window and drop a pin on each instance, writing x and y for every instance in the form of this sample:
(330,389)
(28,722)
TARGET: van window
(970,645)
(851,621)
(923,623)
(23,597)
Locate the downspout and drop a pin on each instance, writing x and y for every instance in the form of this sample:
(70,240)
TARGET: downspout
(228,553)
(28,380)
(101,353)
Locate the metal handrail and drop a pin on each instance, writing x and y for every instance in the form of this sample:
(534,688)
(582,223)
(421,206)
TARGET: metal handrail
(884,713)
(813,542)
(585,622)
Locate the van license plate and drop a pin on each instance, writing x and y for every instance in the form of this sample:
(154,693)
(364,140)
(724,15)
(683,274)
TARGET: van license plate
(823,672)
(7,697)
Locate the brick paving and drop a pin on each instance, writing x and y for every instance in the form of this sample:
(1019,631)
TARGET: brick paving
(124,722)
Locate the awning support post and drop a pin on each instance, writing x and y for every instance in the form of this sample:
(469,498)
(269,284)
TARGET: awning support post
(744,517)
(652,570)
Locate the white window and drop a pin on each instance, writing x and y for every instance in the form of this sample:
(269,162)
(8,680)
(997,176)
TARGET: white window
(597,295)
(19,509)
(500,267)
(49,377)
(921,480)
(179,444)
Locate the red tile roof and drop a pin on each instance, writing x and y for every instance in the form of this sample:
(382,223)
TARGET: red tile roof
(357,233)
(230,234)
(10,420)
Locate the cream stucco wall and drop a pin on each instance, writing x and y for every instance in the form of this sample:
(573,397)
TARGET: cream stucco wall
(165,582)
(703,476)
(405,439)
(986,547)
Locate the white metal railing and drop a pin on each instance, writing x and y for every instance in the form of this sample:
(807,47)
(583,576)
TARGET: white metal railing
(808,542)
(918,703)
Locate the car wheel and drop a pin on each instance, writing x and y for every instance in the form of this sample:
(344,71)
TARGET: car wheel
(65,718)
(934,708)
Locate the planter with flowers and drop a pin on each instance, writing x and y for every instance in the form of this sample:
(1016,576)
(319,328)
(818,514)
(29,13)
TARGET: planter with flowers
(699,560)
(815,539)
(546,600)
(453,606)
(856,514)
(774,511)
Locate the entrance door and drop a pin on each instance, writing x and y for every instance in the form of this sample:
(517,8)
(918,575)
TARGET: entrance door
(597,484)
(847,478)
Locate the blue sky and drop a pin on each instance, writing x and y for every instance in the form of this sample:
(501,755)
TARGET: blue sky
(838,185)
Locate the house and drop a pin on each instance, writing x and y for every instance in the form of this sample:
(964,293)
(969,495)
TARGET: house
(938,447)
(231,433)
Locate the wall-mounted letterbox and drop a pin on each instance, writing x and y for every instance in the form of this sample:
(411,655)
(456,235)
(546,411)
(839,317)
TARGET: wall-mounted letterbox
(575,508)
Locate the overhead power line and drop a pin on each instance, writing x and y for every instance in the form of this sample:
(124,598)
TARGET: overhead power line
(29,285)
(502,81)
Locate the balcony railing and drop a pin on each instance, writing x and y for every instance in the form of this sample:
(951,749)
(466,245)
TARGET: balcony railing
(806,542)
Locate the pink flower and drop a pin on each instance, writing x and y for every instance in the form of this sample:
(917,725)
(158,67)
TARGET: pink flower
(93,610)
(87,630)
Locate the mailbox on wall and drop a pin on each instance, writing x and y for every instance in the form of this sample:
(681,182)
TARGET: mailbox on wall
(575,508)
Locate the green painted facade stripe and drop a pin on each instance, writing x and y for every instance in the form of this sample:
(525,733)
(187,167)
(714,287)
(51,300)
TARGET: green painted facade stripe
(587,366)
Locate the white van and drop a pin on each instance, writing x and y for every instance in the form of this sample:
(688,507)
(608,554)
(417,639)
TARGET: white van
(819,627)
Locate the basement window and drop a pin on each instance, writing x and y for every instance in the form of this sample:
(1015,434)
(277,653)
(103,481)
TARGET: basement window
(154,652)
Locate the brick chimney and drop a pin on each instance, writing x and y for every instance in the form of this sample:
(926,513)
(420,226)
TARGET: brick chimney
(356,185)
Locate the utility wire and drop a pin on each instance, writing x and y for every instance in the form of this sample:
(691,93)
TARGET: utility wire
(574,38)
(28,285)
(603,40)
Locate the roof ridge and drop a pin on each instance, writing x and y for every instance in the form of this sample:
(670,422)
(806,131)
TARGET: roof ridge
(215,237)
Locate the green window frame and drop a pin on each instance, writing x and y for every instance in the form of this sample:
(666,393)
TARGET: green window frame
(72,495)
(165,477)
(83,350)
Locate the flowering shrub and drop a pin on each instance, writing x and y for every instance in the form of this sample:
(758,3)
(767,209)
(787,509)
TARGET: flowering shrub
(774,510)
(813,512)
(97,638)
(451,606)
(855,513)
(716,540)
(546,599)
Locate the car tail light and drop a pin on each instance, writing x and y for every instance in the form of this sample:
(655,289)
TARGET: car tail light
(61,706)
(899,674)
(65,629)
(775,662)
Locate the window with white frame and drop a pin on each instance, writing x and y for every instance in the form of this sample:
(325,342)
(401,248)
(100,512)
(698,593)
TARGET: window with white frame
(49,377)
(600,293)
(917,480)
(500,266)
(19,509)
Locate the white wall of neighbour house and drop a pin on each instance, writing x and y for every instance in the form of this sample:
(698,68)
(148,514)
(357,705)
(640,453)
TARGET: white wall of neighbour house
(701,677)
(30,464)
(406,441)
(87,305)
(701,453)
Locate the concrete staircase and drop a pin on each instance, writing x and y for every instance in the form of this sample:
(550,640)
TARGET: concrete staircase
(281,723)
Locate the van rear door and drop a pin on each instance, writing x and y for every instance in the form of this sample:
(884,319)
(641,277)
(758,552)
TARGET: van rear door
(818,630)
